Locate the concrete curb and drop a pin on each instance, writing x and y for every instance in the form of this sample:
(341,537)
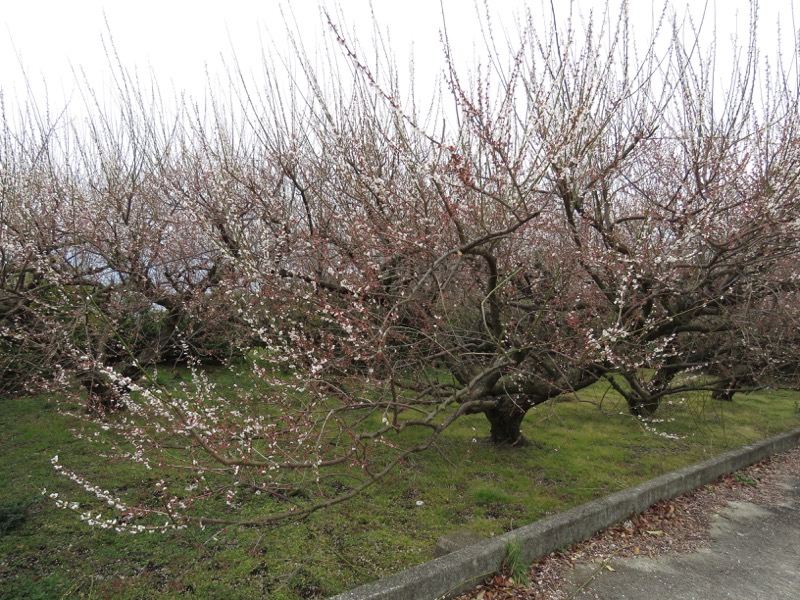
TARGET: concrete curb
(465,568)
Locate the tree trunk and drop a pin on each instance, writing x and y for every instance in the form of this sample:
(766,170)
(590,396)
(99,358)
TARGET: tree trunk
(103,397)
(506,424)
(724,395)
(727,388)
(642,407)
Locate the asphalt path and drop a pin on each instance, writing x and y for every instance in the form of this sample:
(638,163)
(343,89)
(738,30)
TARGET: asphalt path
(754,555)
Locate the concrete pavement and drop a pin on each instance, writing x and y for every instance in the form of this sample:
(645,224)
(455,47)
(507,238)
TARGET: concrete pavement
(754,555)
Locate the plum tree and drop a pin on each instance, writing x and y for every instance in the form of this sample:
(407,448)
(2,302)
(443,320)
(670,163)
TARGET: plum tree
(568,212)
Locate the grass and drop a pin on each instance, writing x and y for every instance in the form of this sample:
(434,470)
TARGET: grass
(514,565)
(581,450)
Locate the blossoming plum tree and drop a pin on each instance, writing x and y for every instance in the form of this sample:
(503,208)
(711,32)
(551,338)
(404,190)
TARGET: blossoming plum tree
(563,214)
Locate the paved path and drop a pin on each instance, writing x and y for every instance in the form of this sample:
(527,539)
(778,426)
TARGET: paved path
(755,555)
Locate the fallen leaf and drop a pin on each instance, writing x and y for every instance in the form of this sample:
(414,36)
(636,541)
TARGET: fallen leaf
(656,532)
(610,568)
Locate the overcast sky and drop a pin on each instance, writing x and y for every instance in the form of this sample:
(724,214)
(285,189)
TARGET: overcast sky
(180,40)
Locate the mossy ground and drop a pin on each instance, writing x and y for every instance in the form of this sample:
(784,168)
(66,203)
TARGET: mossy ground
(582,448)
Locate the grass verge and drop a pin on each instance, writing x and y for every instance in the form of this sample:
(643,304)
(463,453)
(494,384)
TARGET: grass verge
(585,447)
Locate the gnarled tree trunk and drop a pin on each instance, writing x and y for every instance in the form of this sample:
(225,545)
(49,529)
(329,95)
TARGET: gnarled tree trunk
(506,424)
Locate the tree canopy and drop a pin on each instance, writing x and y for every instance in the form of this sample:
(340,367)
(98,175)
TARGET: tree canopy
(567,212)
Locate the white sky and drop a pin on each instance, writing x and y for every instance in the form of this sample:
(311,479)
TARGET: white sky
(180,39)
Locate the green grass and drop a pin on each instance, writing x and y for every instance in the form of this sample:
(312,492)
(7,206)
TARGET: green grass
(580,451)
(514,565)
